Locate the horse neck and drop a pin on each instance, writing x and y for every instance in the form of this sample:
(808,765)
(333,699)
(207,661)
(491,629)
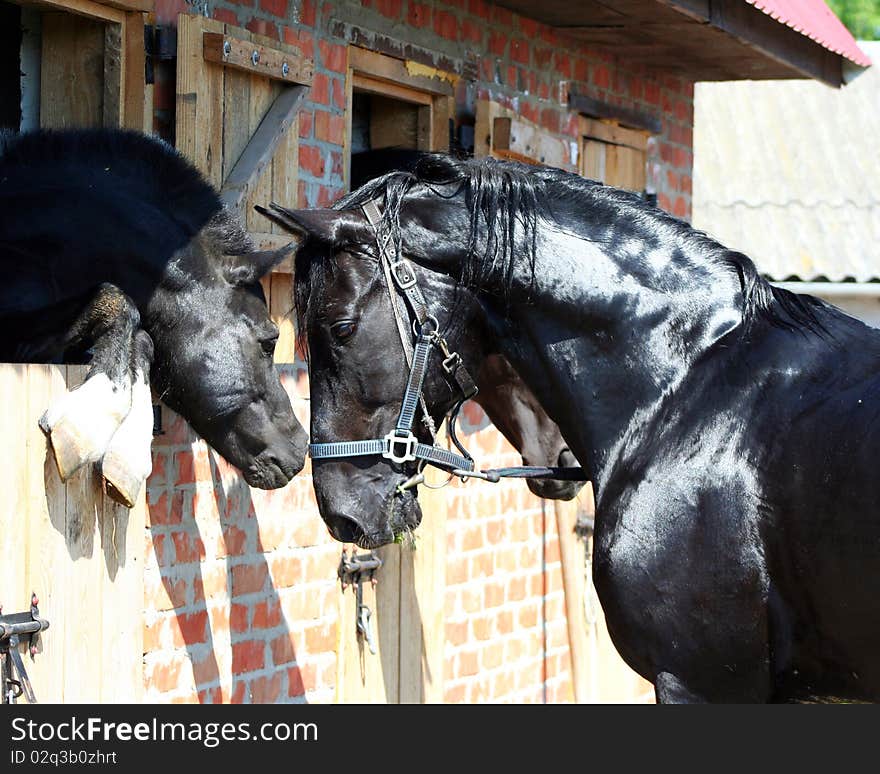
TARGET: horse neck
(608,333)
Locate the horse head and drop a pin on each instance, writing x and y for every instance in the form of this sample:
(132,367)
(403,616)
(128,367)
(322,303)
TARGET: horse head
(214,342)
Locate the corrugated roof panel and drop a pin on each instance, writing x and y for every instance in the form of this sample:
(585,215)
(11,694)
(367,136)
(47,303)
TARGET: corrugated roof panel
(789,173)
(817,21)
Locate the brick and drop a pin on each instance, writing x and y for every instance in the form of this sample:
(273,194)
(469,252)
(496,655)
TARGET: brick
(311,159)
(329,127)
(468,663)
(456,633)
(652,93)
(211,695)
(238,618)
(248,578)
(493,655)
(333,56)
(471,31)
(519,51)
(482,627)
(581,70)
(262,27)
(601,76)
(562,64)
(306,120)
(478,8)
(680,209)
(267,615)
(185,467)
(498,47)
(188,548)
(339,93)
(275,7)
(445,25)
(528,616)
(307,12)
(164,677)
(239,692)
(234,541)
(502,16)
(157,543)
(248,656)
(454,695)
(494,594)
(193,627)
(320,639)
(287,571)
(320,91)
(390,8)
(266,690)
(295,685)
(205,671)
(283,650)
(418,14)
(227,17)
(472,538)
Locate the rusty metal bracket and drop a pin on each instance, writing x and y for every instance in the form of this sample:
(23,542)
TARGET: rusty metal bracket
(15,628)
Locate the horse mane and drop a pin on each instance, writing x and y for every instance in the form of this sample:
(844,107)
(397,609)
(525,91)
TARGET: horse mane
(145,167)
(505,200)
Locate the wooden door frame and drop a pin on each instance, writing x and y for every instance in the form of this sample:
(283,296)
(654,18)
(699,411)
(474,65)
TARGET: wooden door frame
(432,89)
(129,86)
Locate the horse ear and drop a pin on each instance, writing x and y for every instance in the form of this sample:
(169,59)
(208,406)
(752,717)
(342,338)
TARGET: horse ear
(332,227)
(248,268)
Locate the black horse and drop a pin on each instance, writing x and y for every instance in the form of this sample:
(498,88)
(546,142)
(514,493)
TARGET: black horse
(114,248)
(731,427)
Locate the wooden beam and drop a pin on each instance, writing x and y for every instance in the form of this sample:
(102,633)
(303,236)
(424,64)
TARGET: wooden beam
(141,6)
(613,133)
(258,153)
(401,72)
(87,8)
(251,57)
(598,109)
(133,80)
(393,90)
(517,139)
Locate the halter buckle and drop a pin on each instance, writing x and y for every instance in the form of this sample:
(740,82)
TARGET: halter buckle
(403,274)
(393,441)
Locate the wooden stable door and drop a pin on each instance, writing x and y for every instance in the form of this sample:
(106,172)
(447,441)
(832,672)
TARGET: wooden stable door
(412,108)
(238,95)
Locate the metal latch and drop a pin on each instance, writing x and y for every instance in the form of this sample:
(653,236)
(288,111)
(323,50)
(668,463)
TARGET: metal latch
(13,628)
(355,570)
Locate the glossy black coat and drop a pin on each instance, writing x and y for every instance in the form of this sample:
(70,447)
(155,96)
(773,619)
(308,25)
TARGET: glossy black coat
(732,428)
(86,210)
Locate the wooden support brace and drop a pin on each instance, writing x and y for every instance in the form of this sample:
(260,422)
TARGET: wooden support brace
(522,141)
(260,149)
(254,58)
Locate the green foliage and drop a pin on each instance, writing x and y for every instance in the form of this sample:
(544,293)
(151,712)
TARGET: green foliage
(861,17)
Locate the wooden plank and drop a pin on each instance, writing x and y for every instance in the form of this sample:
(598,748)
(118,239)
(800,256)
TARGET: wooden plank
(84,591)
(83,8)
(199,128)
(258,189)
(363,677)
(281,312)
(14,511)
(349,110)
(285,172)
(635,119)
(422,602)
(528,141)
(593,160)
(138,6)
(393,124)
(258,153)
(113,83)
(44,524)
(442,113)
(133,82)
(572,558)
(401,72)
(268,62)
(72,72)
(612,132)
(395,91)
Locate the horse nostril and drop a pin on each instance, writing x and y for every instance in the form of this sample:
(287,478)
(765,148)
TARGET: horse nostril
(347,530)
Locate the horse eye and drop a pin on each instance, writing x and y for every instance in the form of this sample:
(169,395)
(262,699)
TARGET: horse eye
(343,330)
(268,345)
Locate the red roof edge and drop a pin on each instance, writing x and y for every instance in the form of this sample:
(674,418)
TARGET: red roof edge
(817,21)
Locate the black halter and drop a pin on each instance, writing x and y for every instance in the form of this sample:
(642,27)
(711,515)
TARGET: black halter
(418,330)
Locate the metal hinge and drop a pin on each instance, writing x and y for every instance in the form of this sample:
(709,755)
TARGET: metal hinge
(160,44)
(14,629)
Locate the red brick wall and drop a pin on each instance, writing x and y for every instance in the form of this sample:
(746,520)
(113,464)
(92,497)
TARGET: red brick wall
(241,596)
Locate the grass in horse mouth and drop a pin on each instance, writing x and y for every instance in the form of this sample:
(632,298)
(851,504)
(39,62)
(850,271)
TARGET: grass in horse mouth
(406,538)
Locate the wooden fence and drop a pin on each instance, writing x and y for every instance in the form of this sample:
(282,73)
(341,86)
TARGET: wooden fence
(77,550)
